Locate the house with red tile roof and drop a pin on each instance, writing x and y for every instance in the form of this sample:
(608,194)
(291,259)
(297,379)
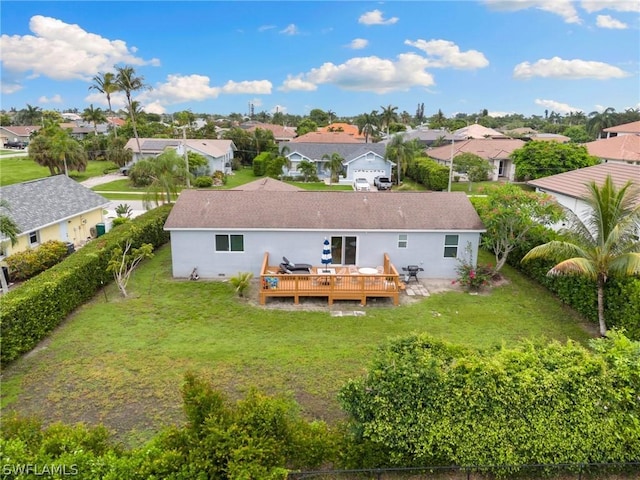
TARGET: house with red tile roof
(348,128)
(224,232)
(624,148)
(280,133)
(632,128)
(497,151)
(327,137)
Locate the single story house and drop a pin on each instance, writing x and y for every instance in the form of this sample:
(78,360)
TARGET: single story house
(17,133)
(219,153)
(478,131)
(623,148)
(495,150)
(427,137)
(569,188)
(328,137)
(360,160)
(51,208)
(632,128)
(280,133)
(225,232)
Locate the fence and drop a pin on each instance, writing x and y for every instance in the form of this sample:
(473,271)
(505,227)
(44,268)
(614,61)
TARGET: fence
(564,471)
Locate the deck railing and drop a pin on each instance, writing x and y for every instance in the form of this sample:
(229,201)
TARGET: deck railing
(334,282)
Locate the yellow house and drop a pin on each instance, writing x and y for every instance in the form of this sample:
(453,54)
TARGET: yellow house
(52,208)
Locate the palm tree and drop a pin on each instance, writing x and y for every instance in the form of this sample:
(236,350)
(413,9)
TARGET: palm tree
(388,116)
(599,121)
(95,116)
(335,166)
(400,152)
(167,173)
(105,83)
(55,149)
(9,230)
(31,115)
(602,245)
(367,124)
(127,82)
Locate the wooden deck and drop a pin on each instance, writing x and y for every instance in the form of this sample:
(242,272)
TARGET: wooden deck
(342,283)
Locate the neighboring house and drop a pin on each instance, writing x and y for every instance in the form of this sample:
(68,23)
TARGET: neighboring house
(427,137)
(549,137)
(624,148)
(632,128)
(569,188)
(495,150)
(280,132)
(478,131)
(347,128)
(225,232)
(270,184)
(219,153)
(361,160)
(327,137)
(17,133)
(51,208)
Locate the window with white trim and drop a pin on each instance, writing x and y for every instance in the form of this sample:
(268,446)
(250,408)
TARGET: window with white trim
(403,240)
(229,243)
(450,246)
(33,238)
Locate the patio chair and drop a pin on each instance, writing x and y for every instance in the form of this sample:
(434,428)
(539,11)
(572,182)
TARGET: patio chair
(295,266)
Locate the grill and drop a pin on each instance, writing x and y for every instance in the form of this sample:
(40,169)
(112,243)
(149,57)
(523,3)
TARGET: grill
(412,272)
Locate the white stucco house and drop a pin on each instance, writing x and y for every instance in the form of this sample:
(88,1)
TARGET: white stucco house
(361,160)
(219,153)
(225,232)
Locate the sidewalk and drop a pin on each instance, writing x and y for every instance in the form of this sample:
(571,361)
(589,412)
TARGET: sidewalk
(110,177)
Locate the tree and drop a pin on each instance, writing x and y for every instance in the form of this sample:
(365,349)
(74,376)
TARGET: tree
(55,149)
(335,165)
(602,245)
(308,169)
(540,159)
(476,168)
(9,230)
(509,213)
(306,126)
(319,117)
(29,116)
(95,116)
(105,83)
(128,82)
(598,121)
(577,134)
(166,173)
(402,153)
(116,152)
(124,260)
(388,116)
(367,124)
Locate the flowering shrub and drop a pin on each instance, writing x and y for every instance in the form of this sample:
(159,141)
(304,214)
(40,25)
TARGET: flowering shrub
(471,276)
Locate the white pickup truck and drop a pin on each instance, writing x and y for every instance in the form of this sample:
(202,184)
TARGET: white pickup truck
(382,183)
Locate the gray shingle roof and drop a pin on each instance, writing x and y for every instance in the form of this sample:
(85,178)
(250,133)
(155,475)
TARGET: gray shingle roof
(35,204)
(311,210)
(348,151)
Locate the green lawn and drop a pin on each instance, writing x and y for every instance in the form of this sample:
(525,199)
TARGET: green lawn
(122,361)
(22,169)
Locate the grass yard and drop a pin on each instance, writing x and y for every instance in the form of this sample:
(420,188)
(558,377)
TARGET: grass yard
(122,361)
(22,169)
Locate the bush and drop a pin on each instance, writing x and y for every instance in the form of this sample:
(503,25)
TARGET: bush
(29,263)
(426,402)
(203,182)
(29,313)
(120,221)
(429,173)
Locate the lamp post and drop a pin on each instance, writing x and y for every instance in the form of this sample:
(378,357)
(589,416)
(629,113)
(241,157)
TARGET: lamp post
(184,152)
(450,165)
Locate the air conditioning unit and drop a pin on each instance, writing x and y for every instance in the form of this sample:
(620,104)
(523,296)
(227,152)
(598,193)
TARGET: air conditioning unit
(93,232)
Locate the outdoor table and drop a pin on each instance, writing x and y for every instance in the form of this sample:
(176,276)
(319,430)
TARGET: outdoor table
(368,270)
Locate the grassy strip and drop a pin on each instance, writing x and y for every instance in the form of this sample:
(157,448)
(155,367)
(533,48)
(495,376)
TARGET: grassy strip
(23,169)
(122,362)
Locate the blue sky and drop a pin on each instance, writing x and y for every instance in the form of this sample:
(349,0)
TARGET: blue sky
(350,57)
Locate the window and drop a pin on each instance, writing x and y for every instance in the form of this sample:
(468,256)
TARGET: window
(451,246)
(344,250)
(403,239)
(33,238)
(229,243)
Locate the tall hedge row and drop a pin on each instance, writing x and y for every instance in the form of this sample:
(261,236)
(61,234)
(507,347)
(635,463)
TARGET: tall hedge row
(429,173)
(427,402)
(29,313)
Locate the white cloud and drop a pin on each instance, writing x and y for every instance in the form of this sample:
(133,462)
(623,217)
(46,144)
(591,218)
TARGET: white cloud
(155,107)
(297,83)
(445,54)
(371,74)
(500,114)
(358,43)
(291,29)
(556,67)
(264,28)
(54,99)
(258,87)
(616,5)
(564,8)
(63,51)
(557,107)
(278,109)
(606,21)
(375,17)
(7,87)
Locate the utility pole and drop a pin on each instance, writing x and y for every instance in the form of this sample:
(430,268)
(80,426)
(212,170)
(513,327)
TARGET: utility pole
(184,151)
(450,165)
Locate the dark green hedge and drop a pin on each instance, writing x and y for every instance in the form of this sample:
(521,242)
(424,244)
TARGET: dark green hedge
(429,173)
(29,313)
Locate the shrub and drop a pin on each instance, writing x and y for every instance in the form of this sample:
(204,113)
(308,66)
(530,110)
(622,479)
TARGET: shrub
(203,182)
(471,276)
(119,221)
(29,263)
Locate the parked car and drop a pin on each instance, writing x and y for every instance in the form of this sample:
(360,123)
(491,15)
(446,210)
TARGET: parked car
(361,185)
(19,145)
(382,183)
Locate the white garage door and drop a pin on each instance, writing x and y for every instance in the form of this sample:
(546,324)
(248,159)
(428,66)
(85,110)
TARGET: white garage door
(369,174)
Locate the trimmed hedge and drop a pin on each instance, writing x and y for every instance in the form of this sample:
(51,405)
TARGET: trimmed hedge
(429,173)
(31,262)
(29,313)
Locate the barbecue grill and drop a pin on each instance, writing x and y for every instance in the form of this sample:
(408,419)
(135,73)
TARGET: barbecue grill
(412,272)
